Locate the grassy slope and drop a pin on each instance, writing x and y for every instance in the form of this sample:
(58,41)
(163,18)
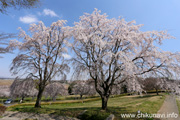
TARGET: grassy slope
(117,105)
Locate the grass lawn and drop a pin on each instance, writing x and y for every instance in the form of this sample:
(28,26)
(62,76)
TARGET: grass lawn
(48,99)
(178,103)
(117,106)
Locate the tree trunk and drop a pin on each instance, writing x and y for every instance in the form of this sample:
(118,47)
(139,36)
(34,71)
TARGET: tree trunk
(81,96)
(104,102)
(54,98)
(39,96)
(22,98)
(32,98)
(157,92)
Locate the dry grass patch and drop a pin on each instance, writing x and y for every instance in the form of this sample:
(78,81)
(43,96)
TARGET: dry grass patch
(6,82)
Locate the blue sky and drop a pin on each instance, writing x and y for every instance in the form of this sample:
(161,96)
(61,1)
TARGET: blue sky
(154,14)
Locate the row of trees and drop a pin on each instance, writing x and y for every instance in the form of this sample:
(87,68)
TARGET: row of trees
(82,88)
(111,51)
(28,88)
(162,84)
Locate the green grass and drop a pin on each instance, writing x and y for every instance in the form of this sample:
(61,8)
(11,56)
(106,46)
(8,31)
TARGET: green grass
(29,119)
(178,103)
(117,106)
(48,99)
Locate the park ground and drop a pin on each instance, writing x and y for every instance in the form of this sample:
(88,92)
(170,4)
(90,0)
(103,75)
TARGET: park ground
(70,107)
(117,105)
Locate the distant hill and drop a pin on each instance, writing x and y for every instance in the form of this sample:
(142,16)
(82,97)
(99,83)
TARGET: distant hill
(4,78)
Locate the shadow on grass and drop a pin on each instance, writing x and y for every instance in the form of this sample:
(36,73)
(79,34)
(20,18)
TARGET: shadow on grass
(93,113)
(68,111)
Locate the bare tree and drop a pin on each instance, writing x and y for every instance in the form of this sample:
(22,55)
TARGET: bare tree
(41,55)
(153,83)
(5,4)
(23,88)
(109,49)
(54,89)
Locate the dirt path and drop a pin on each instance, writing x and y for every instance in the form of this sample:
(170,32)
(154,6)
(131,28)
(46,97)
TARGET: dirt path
(169,109)
(9,115)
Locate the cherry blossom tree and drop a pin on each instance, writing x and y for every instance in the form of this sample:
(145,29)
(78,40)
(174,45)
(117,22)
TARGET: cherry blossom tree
(172,86)
(70,87)
(161,83)
(23,88)
(92,90)
(54,89)
(83,88)
(134,85)
(4,91)
(41,54)
(127,85)
(116,90)
(111,48)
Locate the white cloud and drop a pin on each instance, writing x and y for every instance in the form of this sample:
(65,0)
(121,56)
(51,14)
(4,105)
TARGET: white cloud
(66,56)
(28,19)
(48,12)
